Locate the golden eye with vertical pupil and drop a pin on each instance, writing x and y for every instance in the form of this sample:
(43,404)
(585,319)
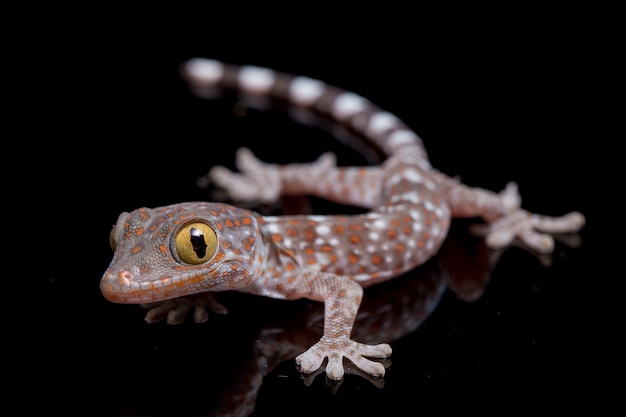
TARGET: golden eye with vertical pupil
(196,243)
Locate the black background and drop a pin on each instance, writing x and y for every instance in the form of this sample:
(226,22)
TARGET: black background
(106,125)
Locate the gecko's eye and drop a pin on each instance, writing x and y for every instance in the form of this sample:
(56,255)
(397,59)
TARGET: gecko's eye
(112,241)
(196,243)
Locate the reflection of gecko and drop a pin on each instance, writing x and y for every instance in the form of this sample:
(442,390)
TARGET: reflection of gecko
(197,247)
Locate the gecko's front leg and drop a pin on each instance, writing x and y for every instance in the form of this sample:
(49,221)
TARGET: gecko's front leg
(175,310)
(265,183)
(342,298)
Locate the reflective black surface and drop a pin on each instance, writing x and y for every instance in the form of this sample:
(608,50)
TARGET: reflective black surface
(469,335)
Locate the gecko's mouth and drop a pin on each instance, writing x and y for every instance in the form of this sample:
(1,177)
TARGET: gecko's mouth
(122,287)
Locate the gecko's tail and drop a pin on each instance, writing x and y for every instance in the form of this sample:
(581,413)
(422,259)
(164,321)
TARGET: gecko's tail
(379,127)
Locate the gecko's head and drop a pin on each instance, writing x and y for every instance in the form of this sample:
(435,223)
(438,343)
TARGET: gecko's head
(179,250)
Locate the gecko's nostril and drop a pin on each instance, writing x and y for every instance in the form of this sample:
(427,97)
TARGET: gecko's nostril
(124,277)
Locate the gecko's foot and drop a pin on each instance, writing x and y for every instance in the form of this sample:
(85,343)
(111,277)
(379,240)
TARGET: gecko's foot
(534,230)
(176,309)
(335,351)
(264,183)
(350,369)
(257,180)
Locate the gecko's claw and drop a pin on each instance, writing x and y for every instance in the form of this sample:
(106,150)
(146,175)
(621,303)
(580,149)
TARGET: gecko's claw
(175,310)
(257,181)
(312,359)
(263,182)
(533,230)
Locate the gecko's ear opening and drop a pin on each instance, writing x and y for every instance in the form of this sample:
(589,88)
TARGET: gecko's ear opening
(115,235)
(195,243)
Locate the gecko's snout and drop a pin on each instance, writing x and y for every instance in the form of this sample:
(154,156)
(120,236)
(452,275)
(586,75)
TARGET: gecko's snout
(116,287)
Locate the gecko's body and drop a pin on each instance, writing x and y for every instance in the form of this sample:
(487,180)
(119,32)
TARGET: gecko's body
(172,252)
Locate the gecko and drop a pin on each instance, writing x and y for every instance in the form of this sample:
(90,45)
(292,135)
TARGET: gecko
(182,253)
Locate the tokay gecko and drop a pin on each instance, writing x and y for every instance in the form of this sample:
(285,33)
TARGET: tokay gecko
(181,253)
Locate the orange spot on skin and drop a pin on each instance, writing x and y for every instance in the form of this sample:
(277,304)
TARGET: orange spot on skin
(311,261)
(377,259)
(333,258)
(246,220)
(420,244)
(400,248)
(277,237)
(291,280)
(219,226)
(407,218)
(327,248)
(290,267)
(309,235)
(354,239)
(309,251)
(237,223)
(353,258)
(137,249)
(182,267)
(395,222)
(228,223)
(339,229)
(163,248)
(392,234)
(292,232)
